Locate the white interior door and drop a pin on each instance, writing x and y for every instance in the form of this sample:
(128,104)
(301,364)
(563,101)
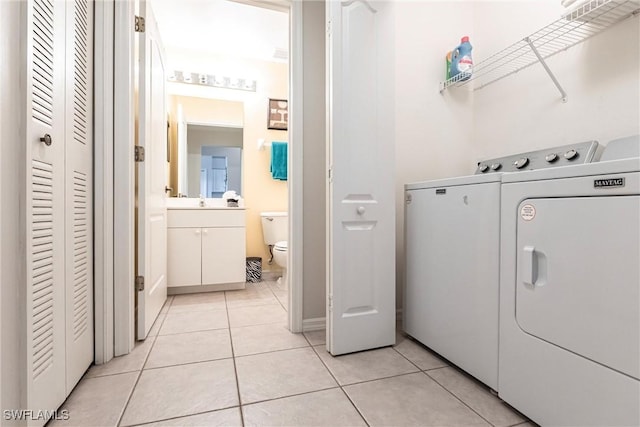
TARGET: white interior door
(152,210)
(44,205)
(361,302)
(79,190)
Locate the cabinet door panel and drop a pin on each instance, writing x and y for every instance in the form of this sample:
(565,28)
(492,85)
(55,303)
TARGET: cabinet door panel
(223,255)
(184,256)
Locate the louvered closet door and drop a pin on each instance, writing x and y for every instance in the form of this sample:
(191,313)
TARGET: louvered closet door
(44,204)
(79,193)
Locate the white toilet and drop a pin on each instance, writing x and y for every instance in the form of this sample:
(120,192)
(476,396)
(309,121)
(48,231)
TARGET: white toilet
(275,228)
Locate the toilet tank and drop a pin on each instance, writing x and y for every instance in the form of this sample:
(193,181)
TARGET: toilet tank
(275,227)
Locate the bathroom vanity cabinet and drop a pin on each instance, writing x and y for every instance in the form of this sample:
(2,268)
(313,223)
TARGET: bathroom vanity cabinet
(206,249)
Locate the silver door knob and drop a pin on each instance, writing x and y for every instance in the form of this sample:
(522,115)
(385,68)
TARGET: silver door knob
(361,210)
(46,139)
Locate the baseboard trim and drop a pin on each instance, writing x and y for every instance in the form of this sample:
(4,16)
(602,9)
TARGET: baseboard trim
(315,324)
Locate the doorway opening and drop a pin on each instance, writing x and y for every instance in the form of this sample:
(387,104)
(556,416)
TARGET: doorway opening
(227,63)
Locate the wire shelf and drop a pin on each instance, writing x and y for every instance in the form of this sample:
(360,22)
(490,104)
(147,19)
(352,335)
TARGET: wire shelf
(576,26)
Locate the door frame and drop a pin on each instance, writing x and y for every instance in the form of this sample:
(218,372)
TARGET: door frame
(115,178)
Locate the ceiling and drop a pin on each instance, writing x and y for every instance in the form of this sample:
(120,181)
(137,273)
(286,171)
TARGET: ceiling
(222,27)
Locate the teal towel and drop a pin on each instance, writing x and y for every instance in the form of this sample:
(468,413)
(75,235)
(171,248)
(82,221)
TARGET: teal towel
(279,160)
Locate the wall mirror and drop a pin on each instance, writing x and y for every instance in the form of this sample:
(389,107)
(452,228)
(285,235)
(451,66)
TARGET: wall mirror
(214,161)
(208,147)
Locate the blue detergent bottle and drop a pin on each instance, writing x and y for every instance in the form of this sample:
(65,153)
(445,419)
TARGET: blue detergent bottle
(461,62)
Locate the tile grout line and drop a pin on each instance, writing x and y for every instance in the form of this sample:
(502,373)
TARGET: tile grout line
(278,299)
(271,351)
(189,332)
(233,357)
(197,362)
(133,389)
(458,398)
(258,402)
(381,378)
(183,416)
(266,282)
(405,357)
(412,340)
(337,382)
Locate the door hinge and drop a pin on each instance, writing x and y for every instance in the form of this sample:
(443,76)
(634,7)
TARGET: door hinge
(139,151)
(330,298)
(329,28)
(330,174)
(408,198)
(139,24)
(140,283)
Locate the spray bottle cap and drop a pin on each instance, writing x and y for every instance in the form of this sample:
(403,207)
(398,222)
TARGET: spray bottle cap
(464,39)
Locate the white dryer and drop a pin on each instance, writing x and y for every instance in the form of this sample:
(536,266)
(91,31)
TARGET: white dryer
(452,242)
(570,292)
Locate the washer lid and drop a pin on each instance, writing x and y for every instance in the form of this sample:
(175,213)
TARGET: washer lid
(282,245)
(461,180)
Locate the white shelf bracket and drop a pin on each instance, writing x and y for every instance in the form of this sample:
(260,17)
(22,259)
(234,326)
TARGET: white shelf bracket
(547,69)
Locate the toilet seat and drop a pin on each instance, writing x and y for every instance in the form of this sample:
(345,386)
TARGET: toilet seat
(281,246)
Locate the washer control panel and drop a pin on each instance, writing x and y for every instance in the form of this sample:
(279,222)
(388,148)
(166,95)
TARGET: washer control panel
(583,152)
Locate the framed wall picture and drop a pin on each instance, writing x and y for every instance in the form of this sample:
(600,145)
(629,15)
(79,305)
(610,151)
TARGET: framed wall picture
(278,114)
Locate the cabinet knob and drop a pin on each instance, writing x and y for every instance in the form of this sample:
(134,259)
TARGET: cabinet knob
(205,232)
(46,139)
(198,231)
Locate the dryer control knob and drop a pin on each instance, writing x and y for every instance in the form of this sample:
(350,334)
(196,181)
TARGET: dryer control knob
(520,163)
(496,166)
(571,155)
(552,157)
(483,168)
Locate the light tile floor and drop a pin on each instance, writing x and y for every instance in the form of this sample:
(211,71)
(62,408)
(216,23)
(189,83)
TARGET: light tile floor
(227,359)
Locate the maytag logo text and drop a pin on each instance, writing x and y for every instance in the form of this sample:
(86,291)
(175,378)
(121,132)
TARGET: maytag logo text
(608,183)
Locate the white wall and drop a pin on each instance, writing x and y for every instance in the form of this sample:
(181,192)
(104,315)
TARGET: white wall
(314,161)
(433,130)
(524,111)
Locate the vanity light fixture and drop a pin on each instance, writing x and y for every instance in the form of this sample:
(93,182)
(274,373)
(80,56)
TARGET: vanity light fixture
(212,80)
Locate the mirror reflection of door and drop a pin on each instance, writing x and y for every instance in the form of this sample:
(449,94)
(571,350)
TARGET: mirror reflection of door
(215,167)
(203,182)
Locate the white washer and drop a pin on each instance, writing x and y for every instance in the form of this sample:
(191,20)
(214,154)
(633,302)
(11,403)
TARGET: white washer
(452,237)
(570,293)
(452,255)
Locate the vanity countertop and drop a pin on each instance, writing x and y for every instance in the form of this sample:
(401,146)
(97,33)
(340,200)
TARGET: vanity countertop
(192,203)
(215,208)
